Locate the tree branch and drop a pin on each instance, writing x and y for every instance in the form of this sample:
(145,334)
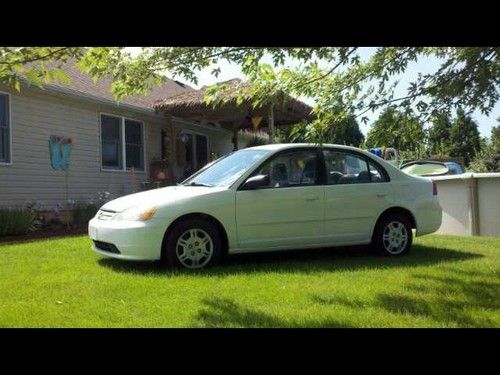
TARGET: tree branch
(47,56)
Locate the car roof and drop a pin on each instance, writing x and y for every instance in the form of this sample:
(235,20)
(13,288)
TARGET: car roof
(284,146)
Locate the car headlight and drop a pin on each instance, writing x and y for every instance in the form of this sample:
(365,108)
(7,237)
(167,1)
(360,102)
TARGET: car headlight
(136,214)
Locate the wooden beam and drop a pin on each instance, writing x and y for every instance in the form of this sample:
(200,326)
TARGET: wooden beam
(271,122)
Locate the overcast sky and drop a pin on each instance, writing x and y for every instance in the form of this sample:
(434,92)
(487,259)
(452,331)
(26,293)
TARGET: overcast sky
(424,65)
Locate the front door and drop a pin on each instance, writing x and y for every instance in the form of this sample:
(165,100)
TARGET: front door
(192,153)
(288,212)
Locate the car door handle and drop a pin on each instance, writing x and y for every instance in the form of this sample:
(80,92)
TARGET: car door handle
(311,199)
(381,195)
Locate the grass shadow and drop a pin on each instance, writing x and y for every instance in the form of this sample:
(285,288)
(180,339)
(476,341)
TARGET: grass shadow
(448,299)
(302,261)
(224,312)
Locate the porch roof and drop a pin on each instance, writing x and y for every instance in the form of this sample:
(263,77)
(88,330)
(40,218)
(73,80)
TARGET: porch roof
(191,105)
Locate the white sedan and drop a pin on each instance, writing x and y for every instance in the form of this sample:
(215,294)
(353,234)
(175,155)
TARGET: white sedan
(273,197)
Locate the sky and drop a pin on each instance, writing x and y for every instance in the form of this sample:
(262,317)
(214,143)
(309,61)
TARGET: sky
(424,65)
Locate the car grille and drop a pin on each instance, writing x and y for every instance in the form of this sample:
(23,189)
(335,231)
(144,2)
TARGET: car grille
(105,214)
(107,247)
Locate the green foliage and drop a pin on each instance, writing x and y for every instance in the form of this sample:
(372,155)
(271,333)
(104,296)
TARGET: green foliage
(495,137)
(38,65)
(486,160)
(465,140)
(83,212)
(468,77)
(439,135)
(15,221)
(393,128)
(257,138)
(345,132)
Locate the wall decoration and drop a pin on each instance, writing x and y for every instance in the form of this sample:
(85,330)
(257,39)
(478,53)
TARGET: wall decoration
(60,151)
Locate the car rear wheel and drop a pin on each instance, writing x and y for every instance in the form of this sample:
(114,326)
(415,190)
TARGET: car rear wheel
(192,244)
(393,235)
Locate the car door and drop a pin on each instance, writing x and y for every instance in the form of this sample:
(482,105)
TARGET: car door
(288,211)
(357,190)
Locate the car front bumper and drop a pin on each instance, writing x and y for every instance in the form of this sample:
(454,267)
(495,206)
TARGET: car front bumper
(128,240)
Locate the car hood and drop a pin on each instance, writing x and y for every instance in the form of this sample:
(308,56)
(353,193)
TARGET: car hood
(162,196)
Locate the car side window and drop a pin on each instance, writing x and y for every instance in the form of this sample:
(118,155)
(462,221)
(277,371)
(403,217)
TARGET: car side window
(290,169)
(347,168)
(376,174)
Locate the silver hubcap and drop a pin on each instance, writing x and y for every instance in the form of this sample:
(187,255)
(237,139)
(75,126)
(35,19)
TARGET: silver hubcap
(395,237)
(194,248)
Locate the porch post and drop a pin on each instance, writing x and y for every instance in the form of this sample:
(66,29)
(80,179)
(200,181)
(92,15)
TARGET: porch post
(271,122)
(235,136)
(171,148)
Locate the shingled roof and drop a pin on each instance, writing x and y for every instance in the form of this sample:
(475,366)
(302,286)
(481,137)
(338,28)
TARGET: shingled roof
(82,83)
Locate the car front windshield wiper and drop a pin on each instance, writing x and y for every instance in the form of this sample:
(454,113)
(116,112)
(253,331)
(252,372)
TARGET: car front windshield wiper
(194,183)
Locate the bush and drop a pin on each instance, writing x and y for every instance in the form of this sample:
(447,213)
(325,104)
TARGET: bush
(487,160)
(83,212)
(17,221)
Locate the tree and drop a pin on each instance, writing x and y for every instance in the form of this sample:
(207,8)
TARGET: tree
(465,140)
(467,77)
(345,132)
(495,137)
(486,160)
(36,65)
(439,135)
(400,130)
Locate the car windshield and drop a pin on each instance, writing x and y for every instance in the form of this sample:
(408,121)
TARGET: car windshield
(226,170)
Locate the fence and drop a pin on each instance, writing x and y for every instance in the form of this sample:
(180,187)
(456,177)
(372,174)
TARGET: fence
(471,204)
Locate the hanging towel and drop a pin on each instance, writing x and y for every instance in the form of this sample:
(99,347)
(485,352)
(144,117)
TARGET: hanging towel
(60,151)
(55,152)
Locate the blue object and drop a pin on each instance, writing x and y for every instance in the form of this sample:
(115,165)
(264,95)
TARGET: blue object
(376,151)
(454,168)
(60,151)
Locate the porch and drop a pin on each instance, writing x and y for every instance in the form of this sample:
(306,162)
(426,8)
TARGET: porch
(186,144)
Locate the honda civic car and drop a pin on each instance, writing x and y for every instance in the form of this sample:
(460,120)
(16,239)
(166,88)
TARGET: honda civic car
(271,197)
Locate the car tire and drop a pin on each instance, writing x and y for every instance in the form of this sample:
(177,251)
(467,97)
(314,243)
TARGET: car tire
(192,244)
(393,235)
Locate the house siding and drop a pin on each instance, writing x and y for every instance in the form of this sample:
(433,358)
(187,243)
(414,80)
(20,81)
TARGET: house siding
(37,114)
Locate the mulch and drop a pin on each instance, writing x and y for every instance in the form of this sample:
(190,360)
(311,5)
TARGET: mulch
(44,234)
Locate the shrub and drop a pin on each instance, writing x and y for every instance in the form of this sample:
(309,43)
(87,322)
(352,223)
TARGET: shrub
(17,221)
(83,212)
(486,160)
(257,138)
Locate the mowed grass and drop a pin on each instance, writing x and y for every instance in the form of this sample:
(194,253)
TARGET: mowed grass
(445,281)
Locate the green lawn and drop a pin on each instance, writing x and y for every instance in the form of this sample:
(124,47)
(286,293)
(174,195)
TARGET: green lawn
(444,282)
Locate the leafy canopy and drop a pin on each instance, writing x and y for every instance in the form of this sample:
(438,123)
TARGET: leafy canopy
(468,77)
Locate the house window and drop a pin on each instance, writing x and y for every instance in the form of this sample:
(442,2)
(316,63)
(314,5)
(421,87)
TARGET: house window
(122,143)
(134,145)
(4,129)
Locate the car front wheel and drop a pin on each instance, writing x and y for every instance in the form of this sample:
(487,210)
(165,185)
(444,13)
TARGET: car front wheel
(192,244)
(393,235)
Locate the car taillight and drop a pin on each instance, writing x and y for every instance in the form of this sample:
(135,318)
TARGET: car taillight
(434,188)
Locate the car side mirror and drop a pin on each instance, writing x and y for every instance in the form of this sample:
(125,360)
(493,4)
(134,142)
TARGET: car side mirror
(256,182)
